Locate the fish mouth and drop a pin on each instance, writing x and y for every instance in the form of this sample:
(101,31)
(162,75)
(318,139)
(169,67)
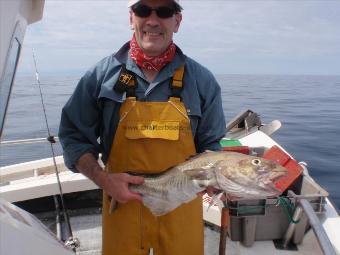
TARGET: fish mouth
(270,177)
(270,174)
(275,176)
(268,188)
(267,182)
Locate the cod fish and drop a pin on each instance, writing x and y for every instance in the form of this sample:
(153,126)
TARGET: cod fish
(236,174)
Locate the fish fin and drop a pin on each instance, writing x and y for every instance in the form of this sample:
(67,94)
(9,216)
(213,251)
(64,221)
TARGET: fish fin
(215,199)
(198,174)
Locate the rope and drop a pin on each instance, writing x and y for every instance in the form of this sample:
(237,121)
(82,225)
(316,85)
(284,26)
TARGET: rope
(51,140)
(288,208)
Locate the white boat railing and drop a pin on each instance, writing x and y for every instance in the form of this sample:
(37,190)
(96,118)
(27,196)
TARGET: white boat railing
(321,236)
(319,231)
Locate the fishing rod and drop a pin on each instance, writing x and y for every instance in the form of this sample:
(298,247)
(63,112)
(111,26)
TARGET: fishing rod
(71,241)
(28,141)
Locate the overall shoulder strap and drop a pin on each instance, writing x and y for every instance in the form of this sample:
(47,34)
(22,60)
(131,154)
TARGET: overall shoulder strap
(177,82)
(126,82)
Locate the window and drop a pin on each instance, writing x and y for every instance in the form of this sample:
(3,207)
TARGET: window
(8,79)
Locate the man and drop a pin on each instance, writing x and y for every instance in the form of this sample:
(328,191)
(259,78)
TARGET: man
(152,107)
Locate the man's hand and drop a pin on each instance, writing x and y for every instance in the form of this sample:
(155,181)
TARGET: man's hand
(209,190)
(116,185)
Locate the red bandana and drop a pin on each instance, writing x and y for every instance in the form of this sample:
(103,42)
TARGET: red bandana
(151,63)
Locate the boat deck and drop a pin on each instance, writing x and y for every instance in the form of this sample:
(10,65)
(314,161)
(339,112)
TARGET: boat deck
(86,226)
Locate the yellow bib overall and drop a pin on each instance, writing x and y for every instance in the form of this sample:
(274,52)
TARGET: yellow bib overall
(150,138)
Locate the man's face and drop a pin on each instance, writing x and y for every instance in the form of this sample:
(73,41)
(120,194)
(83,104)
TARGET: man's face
(154,34)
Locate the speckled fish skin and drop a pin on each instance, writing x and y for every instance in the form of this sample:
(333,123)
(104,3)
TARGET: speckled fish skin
(236,174)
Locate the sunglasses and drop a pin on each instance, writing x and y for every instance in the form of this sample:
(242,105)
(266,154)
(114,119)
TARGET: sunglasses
(145,11)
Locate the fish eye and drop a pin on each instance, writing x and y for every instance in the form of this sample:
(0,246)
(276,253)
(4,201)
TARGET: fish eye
(256,162)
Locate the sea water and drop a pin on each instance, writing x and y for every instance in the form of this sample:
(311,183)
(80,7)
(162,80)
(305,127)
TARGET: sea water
(307,106)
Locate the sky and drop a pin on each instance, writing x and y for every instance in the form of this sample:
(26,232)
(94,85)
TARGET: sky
(229,37)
